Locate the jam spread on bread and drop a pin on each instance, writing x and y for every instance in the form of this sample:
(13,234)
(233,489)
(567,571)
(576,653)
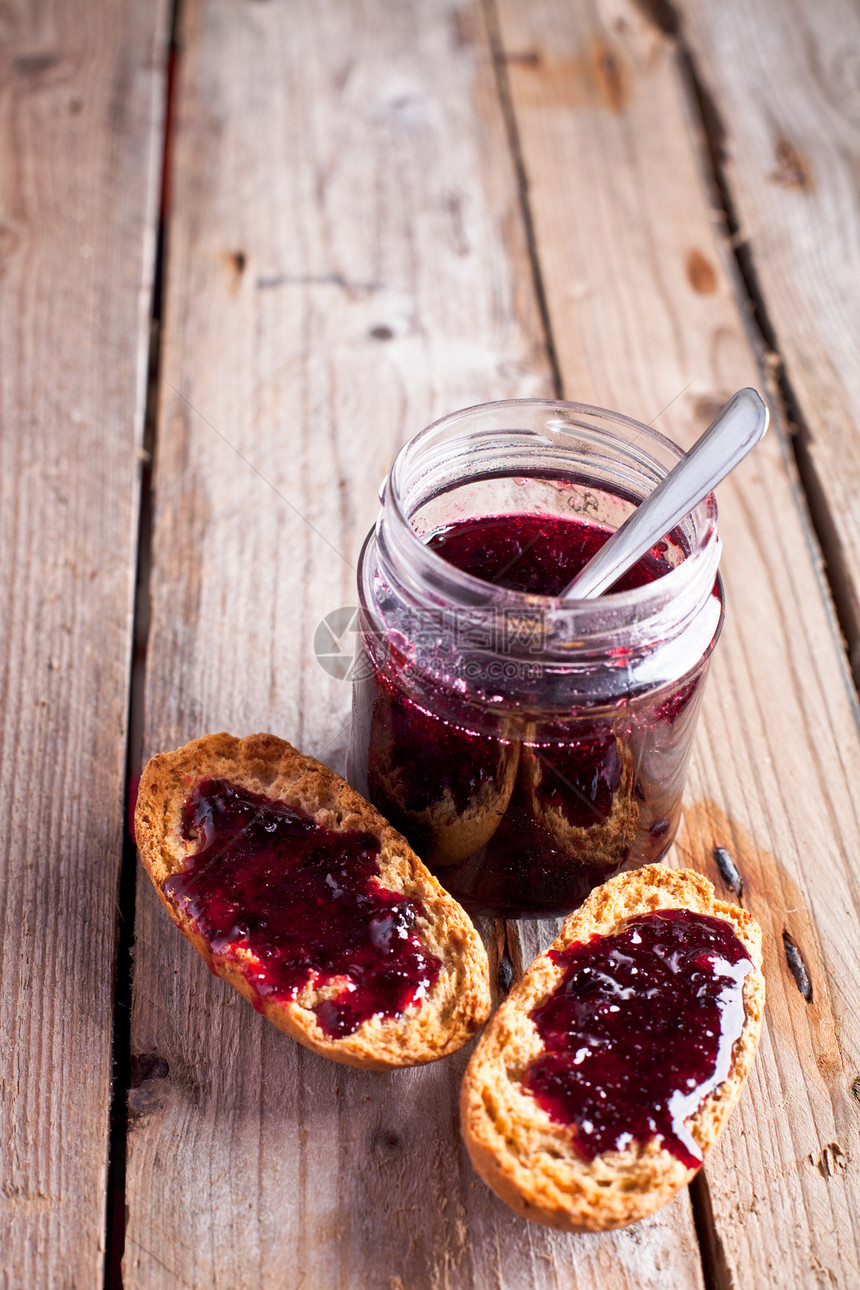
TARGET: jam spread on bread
(303,901)
(639,1031)
(567,802)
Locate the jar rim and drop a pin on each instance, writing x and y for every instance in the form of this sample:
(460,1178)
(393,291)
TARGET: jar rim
(467,591)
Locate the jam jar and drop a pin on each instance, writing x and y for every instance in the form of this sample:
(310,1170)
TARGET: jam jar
(529,747)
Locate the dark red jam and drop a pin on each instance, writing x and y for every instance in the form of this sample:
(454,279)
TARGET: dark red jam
(639,1031)
(305,902)
(524,812)
(535,553)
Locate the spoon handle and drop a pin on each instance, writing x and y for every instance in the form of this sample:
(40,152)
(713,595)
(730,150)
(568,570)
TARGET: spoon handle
(728,439)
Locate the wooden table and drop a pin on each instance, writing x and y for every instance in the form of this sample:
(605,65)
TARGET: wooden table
(370,214)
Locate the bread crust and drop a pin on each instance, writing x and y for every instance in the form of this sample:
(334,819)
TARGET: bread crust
(452,834)
(604,844)
(527,1158)
(457,1004)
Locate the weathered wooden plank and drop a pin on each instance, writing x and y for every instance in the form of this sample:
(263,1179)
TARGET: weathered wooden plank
(81,97)
(784,82)
(643,309)
(347,260)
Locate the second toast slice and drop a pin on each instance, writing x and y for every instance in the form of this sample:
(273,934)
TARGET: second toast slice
(614,1063)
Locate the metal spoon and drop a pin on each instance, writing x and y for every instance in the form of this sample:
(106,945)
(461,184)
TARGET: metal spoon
(727,440)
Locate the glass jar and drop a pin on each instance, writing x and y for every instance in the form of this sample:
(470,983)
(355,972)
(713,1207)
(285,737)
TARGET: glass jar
(528,747)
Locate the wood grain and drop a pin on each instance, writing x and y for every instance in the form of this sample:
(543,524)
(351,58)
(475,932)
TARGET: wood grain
(347,260)
(787,127)
(642,300)
(81,97)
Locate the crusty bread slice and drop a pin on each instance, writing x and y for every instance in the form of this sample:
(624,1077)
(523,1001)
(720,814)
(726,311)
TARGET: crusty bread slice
(606,843)
(446,832)
(452,835)
(528,1158)
(458,1002)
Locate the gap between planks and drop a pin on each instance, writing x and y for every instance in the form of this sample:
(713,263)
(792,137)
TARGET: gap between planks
(123,1072)
(82,102)
(504,92)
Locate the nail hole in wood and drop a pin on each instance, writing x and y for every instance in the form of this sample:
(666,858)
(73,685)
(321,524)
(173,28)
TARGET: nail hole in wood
(797,966)
(387,1144)
(728,870)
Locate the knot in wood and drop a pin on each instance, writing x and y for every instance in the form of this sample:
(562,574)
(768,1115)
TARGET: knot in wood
(147,1066)
(387,1144)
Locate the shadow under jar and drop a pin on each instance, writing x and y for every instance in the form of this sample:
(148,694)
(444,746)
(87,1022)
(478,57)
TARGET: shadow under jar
(528,747)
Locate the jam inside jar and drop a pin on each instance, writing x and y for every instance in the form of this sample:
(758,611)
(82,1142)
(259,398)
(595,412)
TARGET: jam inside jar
(528,747)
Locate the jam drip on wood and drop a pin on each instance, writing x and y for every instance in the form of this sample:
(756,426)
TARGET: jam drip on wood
(639,1031)
(296,904)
